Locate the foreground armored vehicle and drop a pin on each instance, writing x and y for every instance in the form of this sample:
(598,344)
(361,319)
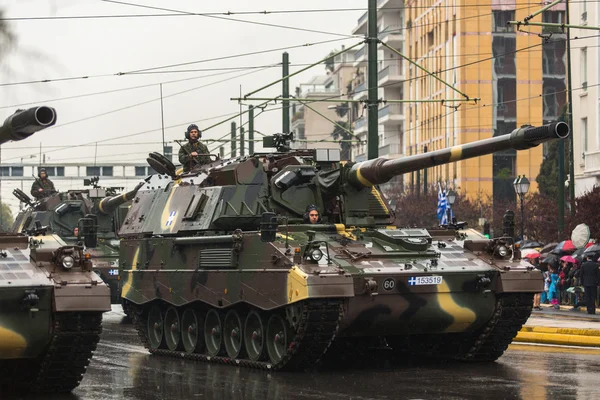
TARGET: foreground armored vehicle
(51,303)
(61,212)
(205,283)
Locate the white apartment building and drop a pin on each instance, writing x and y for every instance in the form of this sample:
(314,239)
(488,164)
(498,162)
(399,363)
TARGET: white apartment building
(585,75)
(391,74)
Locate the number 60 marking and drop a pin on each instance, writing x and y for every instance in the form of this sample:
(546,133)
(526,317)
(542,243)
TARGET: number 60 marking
(389,284)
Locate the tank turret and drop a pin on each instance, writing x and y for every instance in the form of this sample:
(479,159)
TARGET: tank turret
(24,123)
(108,205)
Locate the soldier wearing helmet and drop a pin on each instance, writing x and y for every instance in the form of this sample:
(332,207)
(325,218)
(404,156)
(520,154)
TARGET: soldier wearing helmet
(42,186)
(311,216)
(193,152)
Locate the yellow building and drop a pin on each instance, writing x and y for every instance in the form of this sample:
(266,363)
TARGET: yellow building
(514,74)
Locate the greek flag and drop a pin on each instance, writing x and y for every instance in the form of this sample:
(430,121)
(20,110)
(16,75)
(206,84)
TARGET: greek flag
(442,215)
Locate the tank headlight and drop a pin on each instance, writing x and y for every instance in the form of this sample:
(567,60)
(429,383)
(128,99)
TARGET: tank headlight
(502,251)
(68,262)
(316,254)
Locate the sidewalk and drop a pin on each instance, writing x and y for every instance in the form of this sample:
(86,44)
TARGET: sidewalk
(562,327)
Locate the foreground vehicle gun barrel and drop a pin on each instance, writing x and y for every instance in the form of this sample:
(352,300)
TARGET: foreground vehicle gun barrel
(24,123)
(110,204)
(380,170)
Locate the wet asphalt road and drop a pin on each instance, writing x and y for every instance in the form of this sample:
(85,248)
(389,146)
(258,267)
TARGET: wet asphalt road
(122,369)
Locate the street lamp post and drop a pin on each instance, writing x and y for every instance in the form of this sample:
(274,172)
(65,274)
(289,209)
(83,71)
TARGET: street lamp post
(521,185)
(451,196)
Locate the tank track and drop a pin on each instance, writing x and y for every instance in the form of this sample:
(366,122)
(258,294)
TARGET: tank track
(62,365)
(317,327)
(486,344)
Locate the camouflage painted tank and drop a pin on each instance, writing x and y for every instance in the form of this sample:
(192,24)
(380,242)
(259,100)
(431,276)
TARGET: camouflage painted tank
(219,264)
(51,303)
(61,212)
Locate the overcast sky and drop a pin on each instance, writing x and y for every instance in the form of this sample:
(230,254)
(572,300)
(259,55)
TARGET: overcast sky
(67,48)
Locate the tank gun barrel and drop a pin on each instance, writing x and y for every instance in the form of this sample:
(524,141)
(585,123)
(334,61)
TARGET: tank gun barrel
(381,170)
(24,123)
(108,204)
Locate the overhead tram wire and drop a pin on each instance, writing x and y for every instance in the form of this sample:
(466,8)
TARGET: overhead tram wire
(134,72)
(228,18)
(337,96)
(153,100)
(258,12)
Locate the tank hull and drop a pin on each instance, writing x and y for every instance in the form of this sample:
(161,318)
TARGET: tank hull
(372,297)
(47,314)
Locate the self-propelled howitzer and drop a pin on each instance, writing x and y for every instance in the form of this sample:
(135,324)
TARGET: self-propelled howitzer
(24,123)
(205,283)
(62,212)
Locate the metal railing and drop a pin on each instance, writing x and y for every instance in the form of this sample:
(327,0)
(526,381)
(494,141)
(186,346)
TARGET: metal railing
(360,123)
(392,148)
(391,110)
(390,30)
(592,161)
(360,53)
(390,70)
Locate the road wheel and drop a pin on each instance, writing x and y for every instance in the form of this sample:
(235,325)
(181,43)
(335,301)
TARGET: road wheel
(254,336)
(192,338)
(213,333)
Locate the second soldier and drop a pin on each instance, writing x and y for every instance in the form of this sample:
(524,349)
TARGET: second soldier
(193,153)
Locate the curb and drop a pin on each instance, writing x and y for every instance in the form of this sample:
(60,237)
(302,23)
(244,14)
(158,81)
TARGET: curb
(561,336)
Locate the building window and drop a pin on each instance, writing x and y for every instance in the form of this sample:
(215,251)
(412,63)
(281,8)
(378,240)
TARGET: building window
(501,19)
(583,67)
(140,171)
(92,171)
(17,171)
(584,136)
(107,171)
(53,171)
(5,171)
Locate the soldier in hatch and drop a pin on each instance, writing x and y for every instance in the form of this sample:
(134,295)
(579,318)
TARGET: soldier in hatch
(193,152)
(42,186)
(311,216)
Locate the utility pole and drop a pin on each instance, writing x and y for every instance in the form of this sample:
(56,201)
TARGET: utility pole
(286,93)
(251,129)
(372,103)
(233,142)
(242,144)
(570,112)
(425,174)
(162,119)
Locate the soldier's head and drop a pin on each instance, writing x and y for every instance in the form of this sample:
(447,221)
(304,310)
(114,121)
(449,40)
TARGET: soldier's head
(42,173)
(76,231)
(193,132)
(312,214)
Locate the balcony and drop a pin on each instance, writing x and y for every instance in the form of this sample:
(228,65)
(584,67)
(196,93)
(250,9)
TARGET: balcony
(392,35)
(360,92)
(592,163)
(360,56)
(360,125)
(394,4)
(360,157)
(390,75)
(392,114)
(361,27)
(392,150)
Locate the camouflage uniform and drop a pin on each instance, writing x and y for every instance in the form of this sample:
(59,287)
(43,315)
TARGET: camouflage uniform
(186,159)
(45,184)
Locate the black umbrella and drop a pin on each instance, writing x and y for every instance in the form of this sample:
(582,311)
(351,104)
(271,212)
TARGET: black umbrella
(549,259)
(578,255)
(532,245)
(548,248)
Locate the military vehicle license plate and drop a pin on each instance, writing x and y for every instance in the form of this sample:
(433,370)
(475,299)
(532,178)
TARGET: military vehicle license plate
(425,280)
